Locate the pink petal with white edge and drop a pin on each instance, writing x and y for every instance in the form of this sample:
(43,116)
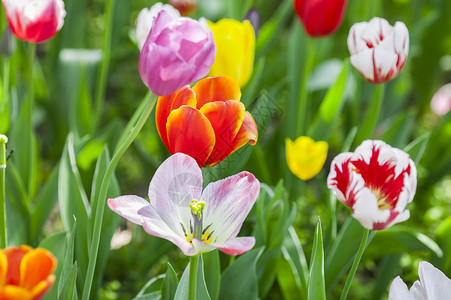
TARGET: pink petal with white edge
(234,246)
(154,225)
(228,202)
(433,281)
(128,207)
(176,182)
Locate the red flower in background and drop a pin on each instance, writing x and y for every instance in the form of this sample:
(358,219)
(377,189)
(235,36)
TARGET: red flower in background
(320,17)
(207,122)
(377,181)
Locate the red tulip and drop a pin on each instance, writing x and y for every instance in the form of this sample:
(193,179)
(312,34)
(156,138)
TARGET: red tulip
(320,17)
(207,122)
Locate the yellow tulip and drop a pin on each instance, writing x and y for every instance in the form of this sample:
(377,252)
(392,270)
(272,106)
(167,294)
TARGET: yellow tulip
(235,49)
(305,157)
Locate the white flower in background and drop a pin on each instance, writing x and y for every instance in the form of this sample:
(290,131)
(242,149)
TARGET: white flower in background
(433,285)
(378,50)
(146,17)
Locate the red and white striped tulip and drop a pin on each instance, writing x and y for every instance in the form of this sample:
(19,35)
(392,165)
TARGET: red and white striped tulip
(378,50)
(376,181)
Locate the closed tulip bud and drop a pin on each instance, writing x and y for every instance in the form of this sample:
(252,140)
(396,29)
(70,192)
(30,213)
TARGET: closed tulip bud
(441,102)
(320,17)
(305,157)
(146,18)
(235,44)
(378,50)
(34,21)
(177,52)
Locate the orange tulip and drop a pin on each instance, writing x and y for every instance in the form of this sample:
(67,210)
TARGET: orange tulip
(207,122)
(25,273)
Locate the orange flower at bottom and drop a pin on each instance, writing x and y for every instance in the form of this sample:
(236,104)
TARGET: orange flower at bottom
(207,122)
(25,273)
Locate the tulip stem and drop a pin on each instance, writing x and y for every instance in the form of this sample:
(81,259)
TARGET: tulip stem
(104,65)
(303,93)
(355,264)
(3,141)
(194,261)
(150,100)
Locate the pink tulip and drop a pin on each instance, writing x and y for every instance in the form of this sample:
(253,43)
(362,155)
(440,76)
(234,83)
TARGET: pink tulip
(196,221)
(34,21)
(177,52)
(378,50)
(441,102)
(376,182)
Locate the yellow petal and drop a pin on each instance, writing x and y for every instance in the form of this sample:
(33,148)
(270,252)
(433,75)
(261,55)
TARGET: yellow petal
(305,157)
(235,49)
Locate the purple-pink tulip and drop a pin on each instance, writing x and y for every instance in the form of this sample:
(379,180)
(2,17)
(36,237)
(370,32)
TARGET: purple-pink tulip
(196,221)
(177,52)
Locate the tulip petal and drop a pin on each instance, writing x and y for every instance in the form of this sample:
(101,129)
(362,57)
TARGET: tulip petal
(234,246)
(305,157)
(128,207)
(3,268)
(153,224)
(216,89)
(12,292)
(165,104)
(176,182)
(14,256)
(190,132)
(228,202)
(226,119)
(36,266)
(42,287)
(434,282)
(399,290)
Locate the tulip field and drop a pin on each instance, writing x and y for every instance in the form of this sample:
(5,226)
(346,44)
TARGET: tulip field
(225,149)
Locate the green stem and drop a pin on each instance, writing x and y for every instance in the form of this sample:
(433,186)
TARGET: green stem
(194,261)
(31,100)
(355,264)
(131,135)
(371,116)
(104,66)
(3,141)
(303,93)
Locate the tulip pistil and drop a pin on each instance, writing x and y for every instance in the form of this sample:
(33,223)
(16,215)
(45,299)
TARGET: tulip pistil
(196,230)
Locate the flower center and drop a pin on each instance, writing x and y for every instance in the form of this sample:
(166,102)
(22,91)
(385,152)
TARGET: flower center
(196,227)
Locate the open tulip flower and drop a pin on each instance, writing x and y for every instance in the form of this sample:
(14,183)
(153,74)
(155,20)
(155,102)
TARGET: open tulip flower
(207,122)
(34,21)
(305,157)
(378,50)
(196,221)
(146,18)
(376,182)
(25,273)
(433,284)
(177,51)
(235,49)
(320,17)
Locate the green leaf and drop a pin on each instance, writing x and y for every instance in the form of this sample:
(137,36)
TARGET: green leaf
(170,283)
(212,270)
(417,147)
(239,280)
(398,131)
(151,285)
(267,266)
(371,116)
(287,281)
(387,270)
(331,107)
(400,239)
(316,282)
(151,296)
(69,291)
(183,287)
(294,255)
(45,202)
(55,243)
(443,233)
(68,261)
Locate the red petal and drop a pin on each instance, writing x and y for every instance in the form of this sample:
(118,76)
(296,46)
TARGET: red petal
(166,104)
(216,89)
(226,119)
(14,256)
(190,132)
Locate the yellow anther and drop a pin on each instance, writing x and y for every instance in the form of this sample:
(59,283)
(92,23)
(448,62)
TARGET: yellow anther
(197,208)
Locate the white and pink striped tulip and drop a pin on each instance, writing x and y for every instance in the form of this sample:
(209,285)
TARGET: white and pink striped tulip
(196,221)
(378,50)
(376,181)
